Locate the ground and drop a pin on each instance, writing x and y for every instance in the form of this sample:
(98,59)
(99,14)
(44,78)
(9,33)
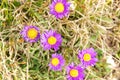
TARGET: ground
(90,23)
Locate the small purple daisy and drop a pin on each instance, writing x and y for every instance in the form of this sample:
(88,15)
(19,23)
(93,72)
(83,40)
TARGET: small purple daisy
(30,33)
(88,57)
(75,72)
(51,39)
(57,62)
(59,8)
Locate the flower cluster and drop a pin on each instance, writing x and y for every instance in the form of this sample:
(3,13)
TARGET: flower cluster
(49,40)
(53,40)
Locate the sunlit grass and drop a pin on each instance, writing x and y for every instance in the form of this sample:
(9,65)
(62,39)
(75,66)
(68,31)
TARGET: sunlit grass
(93,23)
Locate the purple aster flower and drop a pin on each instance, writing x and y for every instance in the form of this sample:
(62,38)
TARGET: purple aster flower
(59,8)
(30,33)
(57,62)
(88,57)
(51,39)
(75,72)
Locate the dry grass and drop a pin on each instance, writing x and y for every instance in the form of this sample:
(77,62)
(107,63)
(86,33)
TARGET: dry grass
(94,23)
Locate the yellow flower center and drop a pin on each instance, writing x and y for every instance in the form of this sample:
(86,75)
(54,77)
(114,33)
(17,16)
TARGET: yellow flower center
(52,40)
(87,57)
(32,33)
(59,7)
(55,61)
(74,73)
